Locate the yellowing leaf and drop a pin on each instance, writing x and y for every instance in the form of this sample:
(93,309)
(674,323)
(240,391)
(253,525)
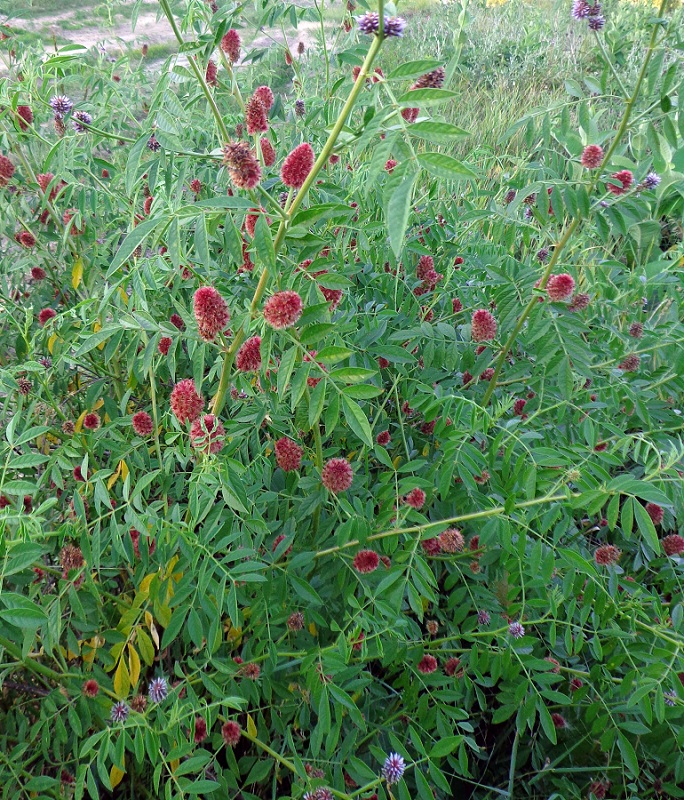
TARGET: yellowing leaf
(396,462)
(77,273)
(123,295)
(115,776)
(51,342)
(122,680)
(115,477)
(426,450)
(251,727)
(144,587)
(133,665)
(313,630)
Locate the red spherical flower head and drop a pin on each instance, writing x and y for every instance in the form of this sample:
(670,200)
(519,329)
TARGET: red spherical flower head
(248,358)
(142,423)
(195,186)
(451,540)
(44,180)
(177,321)
(592,156)
(483,326)
(366,561)
(431,547)
(200,730)
(655,512)
(230,44)
(559,721)
(265,94)
(288,454)
(207,434)
(456,305)
(451,666)
(242,164)
(68,215)
(410,115)
(231,733)
(673,545)
(337,475)
(46,314)
(6,170)
(24,117)
(606,555)
(427,664)
(38,273)
(560,287)
(383,363)
(519,407)
(25,239)
(186,403)
(164,345)
(268,152)
(283,309)
(630,364)
(211,312)
(91,688)
(251,671)
(415,498)
(91,421)
(297,166)
(255,116)
(636,330)
(390,164)
(211,74)
(625,179)
(383,438)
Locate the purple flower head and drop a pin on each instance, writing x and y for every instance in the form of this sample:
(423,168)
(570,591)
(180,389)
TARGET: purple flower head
(483,618)
(516,630)
(580,9)
(670,698)
(596,23)
(81,117)
(120,712)
(61,105)
(651,180)
(158,690)
(300,108)
(369,23)
(595,10)
(153,144)
(394,26)
(393,768)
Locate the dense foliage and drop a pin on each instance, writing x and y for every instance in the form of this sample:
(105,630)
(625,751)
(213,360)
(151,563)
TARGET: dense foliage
(334,465)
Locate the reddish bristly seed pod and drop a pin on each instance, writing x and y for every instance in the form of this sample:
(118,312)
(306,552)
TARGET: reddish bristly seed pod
(673,545)
(560,287)
(25,239)
(268,152)
(24,117)
(283,309)
(636,330)
(231,733)
(337,475)
(248,358)
(211,312)
(451,666)
(195,186)
(185,401)
(483,326)
(456,305)
(451,540)
(256,118)
(91,421)
(410,115)
(6,170)
(68,215)
(655,512)
(383,438)
(211,75)
(415,498)
(91,688)
(606,555)
(295,622)
(230,44)
(177,321)
(288,454)
(242,164)
(630,364)
(592,156)
(207,434)
(200,733)
(390,164)
(427,665)
(266,96)
(366,561)
(165,345)
(147,205)
(142,423)
(45,315)
(625,180)
(297,166)
(383,363)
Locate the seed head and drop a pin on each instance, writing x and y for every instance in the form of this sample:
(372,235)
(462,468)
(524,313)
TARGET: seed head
(248,358)
(71,557)
(288,454)
(91,688)
(268,152)
(300,108)
(92,421)
(636,330)
(410,115)
(483,326)
(195,188)
(200,730)
(451,540)
(673,545)
(655,512)
(297,166)
(560,287)
(431,80)
(283,309)
(256,117)
(427,664)
(25,239)
(6,170)
(266,96)
(164,345)
(383,438)
(142,423)
(579,302)
(415,498)
(242,164)
(24,117)
(337,475)
(625,180)
(295,622)
(230,44)
(366,561)
(451,666)
(207,434)
(592,156)
(606,555)
(630,364)
(211,74)
(139,703)
(185,402)
(211,312)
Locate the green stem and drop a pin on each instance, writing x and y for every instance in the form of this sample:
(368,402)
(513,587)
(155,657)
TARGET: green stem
(602,48)
(575,223)
(511,768)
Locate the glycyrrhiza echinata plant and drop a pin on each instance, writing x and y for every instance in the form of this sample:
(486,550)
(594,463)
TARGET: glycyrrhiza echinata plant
(335,466)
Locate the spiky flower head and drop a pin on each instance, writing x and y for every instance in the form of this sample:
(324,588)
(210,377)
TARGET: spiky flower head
(366,561)
(185,401)
(431,80)
(268,152)
(231,733)
(483,618)
(158,689)
(579,302)
(592,156)
(288,454)
(451,540)
(142,423)
(248,358)
(230,44)
(337,475)
(580,9)
(651,180)
(482,326)
(543,255)
(560,287)
(393,768)
(81,119)
(394,26)
(655,512)
(120,712)
(256,117)
(300,108)
(427,665)
(265,94)
(207,434)
(516,630)
(625,179)
(369,23)
(242,164)
(673,545)
(630,364)
(283,309)
(61,105)
(636,330)
(211,312)
(606,555)
(153,144)
(6,170)
(297,166)
(596,22)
